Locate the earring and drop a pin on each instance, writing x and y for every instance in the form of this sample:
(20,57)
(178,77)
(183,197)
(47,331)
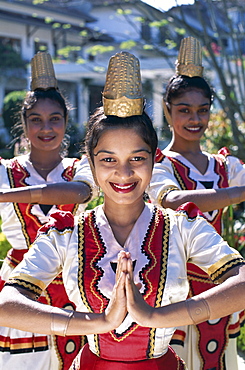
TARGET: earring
(22,146)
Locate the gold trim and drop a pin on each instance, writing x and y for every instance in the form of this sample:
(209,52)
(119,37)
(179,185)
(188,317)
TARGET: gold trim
(163,272)
(123,107)
(16,205)
(219,264)
(29,279)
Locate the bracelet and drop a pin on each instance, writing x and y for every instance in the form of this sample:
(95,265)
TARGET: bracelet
(198,310)
(60,322)
(90,192)
(36,195)
(164,193)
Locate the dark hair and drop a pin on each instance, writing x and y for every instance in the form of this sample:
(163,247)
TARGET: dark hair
(32,97)
(99,123)
(178,85)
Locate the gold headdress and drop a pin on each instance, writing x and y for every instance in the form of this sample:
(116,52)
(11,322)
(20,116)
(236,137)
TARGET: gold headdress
(122,95)
(42,70)
(189,62)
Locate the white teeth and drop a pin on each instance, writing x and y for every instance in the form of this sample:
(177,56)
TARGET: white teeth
(122,187)
(193,128)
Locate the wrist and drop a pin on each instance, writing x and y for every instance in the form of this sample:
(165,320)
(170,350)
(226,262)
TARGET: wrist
(60,322)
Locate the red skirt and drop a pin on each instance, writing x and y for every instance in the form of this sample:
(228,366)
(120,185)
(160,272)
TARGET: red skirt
(87,360)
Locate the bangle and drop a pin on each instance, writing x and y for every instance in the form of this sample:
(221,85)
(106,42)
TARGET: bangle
(36,194)
(164,193)
(198,310)
(60,322)
(86,200)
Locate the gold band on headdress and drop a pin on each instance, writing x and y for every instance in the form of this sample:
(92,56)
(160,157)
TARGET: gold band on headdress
(122,95)
(42,70)
(189,62)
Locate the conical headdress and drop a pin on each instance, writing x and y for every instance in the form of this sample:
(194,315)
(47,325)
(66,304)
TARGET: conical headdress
(122,95)
(42,70)
(189,62)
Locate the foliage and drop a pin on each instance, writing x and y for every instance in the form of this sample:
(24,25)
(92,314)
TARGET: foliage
(10,58)
(11,107)
(219,134)
(96,202)
(4,245)
(10,113)
(241,340)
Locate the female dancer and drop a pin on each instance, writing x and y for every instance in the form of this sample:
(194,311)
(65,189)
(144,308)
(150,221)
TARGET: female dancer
(121,145)
(44,119)
(199,177)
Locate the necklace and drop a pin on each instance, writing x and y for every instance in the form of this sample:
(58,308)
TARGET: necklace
(43,168)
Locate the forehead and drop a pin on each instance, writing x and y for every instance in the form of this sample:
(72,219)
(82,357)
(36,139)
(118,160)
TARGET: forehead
(121,139)
(50,104)
(192,95)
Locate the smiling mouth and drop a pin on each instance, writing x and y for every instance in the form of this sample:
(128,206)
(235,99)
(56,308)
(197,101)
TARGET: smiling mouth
(123,188)
(46,138)
(193,129)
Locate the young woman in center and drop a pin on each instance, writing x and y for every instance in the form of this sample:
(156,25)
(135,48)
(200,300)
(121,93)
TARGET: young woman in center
(121,144)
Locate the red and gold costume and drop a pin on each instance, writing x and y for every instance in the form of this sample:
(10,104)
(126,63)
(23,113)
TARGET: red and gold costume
(160,244)
(20,223)
(215,340)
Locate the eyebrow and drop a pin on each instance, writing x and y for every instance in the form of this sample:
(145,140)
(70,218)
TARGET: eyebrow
(39,114)
(190,105)
(133,152)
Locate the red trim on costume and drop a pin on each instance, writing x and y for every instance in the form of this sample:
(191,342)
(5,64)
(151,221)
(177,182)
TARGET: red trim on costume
(60,220)
(136,342)
(30,223)
(23,345)
(190,209)
(159,156)
(15,256)
(214,336)
(66,348)
(224,151)
(178,337)
(181,172)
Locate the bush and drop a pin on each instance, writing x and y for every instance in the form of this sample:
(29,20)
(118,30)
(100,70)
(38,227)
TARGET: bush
(11,107)
(4,245)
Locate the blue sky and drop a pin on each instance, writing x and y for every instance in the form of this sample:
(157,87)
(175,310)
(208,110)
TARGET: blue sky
(166,4)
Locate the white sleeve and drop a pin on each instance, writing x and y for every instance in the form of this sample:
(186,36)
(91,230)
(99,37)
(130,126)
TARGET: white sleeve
(236,171)
(83,171)
(162,181)
(84,174)
(4,180)
(204,246)
(44,260)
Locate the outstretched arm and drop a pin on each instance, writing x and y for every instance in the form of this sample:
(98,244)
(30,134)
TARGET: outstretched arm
(217,302)
(20,310)
(206,199)
(60,193)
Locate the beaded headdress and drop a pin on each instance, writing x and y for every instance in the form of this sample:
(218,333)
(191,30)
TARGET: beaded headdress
(42,70)
(188,63)
(122,95)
